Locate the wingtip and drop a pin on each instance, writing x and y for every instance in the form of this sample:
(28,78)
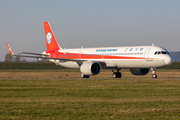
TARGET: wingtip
(10,51)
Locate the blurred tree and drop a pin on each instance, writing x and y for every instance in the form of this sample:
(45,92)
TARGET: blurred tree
(17,59)
(8,58)
(23,59)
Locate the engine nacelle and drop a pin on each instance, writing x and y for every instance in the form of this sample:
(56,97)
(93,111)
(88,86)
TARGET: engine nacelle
(90,68)
(139,71)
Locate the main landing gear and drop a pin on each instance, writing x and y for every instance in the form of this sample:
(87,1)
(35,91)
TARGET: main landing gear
(154,72)
(84,76)
(116,74)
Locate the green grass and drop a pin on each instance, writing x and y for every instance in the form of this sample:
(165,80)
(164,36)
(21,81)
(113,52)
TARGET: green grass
(97,99)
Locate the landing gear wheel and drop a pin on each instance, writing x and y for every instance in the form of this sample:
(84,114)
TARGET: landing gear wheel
(154,76)
(153,72)
(116,75)
(84,76)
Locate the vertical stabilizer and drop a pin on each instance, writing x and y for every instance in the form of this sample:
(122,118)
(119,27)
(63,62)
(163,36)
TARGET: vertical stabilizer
(51,42)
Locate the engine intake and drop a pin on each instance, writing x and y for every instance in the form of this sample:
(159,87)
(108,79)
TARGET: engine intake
(138,71)
(90,68)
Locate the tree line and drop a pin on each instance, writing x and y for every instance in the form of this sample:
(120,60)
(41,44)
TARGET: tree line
(18,62)
(10,58)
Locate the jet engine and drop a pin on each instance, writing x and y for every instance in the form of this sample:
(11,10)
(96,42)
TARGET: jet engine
(138,71)
(90,68)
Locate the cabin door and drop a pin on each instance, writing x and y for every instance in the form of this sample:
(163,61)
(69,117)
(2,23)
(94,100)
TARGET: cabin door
(146,54)
(79,55)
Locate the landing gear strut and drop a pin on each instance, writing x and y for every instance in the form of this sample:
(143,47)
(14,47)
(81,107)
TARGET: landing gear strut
(154,72)
(116,74)
(84,76)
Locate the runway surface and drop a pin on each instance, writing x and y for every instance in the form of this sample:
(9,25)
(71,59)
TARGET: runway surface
(89,78)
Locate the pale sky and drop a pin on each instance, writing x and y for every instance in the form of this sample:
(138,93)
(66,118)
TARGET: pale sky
(89,23)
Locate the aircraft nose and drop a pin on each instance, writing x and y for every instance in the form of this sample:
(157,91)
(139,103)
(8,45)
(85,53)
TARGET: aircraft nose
(169,60)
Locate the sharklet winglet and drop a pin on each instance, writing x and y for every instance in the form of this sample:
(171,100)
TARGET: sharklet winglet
(10,51)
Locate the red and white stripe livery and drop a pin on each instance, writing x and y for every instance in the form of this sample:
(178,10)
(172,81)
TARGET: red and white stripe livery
(139,59)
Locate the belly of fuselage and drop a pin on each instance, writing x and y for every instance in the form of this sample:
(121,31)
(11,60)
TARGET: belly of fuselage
(143,63)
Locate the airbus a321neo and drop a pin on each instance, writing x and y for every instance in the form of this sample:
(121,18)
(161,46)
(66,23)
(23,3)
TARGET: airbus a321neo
(139,59)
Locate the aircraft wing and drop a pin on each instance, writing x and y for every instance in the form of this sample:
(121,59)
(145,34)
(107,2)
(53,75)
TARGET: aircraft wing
(45,56)
(34,54)
(39,55)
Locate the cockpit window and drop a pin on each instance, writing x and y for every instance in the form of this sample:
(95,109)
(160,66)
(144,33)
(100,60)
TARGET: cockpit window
(160,52)
(164,52)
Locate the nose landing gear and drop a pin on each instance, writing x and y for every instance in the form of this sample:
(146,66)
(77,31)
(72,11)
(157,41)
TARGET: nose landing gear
(154,72)
(116,74)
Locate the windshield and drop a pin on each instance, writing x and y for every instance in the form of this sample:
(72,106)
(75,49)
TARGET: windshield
(160,52)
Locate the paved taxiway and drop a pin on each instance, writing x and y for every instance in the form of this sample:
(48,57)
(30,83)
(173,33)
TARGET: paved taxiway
(87,78)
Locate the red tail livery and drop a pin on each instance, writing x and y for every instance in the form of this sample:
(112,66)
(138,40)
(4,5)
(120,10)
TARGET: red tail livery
(51,42)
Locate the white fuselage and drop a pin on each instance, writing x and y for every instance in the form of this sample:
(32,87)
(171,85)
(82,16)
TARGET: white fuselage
(119,57)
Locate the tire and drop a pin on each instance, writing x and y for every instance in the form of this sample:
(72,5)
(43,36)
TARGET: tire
(84,76)
(114,75)
(118,75)
(154,76)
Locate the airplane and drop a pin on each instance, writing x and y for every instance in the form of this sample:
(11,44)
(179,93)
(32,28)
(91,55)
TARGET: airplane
(139,59)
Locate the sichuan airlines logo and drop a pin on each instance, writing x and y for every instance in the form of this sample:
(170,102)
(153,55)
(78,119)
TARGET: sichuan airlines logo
(49,37)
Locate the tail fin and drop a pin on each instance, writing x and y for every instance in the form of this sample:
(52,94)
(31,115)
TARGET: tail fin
(51,42)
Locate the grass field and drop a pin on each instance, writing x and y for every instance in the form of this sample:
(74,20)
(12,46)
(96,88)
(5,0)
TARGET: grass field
(97,99)
(75,73)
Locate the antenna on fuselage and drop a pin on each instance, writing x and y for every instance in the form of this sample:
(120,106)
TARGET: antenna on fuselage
(152,44)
